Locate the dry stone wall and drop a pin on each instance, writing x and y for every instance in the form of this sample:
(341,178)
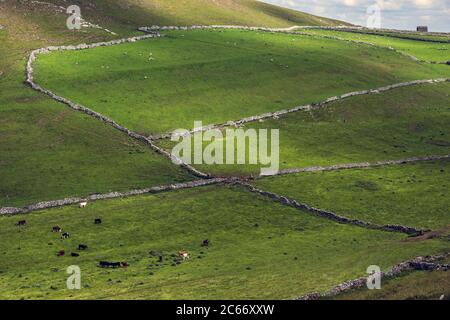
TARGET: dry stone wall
(394,34)
(111,195)
(280,113)
(331,215)
(419,263)
(362,165)
(155,28)
(291,30)
(373,45)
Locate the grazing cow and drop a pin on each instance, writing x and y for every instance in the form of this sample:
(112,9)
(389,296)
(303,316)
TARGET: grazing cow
(73,254)
(65,235)
(183,254)
(61,253)
(21,223)
(83,204)
(57,229)
(106,264)
(98,221)
(205,243)
(82,247)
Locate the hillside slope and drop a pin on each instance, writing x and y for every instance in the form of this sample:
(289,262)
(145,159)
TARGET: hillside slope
(130,14)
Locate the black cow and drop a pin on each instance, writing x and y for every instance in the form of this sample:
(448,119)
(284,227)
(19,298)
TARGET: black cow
(205,243)
(73,254)
(65,235)
(82,247)
(106,264)
(21,223)
(98,221)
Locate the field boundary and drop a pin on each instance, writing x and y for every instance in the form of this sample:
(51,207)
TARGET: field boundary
(410,56)
(361,165)
(416,264)
(277,114)
(211,181)
(341,28)
(331,215)
(111,195)
(30,80)
(390,33)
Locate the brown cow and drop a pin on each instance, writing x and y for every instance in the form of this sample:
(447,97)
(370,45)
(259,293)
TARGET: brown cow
(183,254)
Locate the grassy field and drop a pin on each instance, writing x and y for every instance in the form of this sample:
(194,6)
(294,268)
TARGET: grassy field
(157,85)
(51,152)
(259,249)
(429,51)
(413,194)
(400,123)
(417,285)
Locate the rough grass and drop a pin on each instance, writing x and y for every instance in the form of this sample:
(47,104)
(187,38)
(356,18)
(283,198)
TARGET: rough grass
(125,16)
(259,249)
(58,152)
(413,194)
(401,123)
(158,85)
(429,51)
(417,285)
(48,151)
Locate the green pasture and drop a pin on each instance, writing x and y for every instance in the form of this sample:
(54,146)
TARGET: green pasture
(259,249)
(404,122)
(412,194)
(158,85)
(428,51)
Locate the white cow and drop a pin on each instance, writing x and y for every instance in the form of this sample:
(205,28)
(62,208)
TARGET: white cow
(83,204)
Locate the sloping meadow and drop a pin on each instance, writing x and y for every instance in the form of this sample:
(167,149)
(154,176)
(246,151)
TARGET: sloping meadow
(415,194)
(401,123)
(49,152)
(422,50)
(159,85)
(271,250)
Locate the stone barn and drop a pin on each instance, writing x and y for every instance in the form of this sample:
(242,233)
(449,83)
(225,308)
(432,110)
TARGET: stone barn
(422,29)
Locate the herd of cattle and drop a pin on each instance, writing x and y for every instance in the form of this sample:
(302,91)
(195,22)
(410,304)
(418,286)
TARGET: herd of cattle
(81,247)
(183,254)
